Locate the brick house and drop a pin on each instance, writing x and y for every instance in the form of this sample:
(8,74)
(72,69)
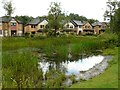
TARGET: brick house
(87,28)
(35,26)
(99,27)
(10,27)
(73,26)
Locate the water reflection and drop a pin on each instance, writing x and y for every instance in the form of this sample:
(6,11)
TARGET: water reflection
(71,67)
(82,65)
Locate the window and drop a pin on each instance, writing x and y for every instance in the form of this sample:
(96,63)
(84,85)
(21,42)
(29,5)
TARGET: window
(71,26)
(88,26)
(0,24)
(80,26)
(0,32)
(103,26)
(85,26)
(67,25)
(13,24)
(32,26)
(41,26)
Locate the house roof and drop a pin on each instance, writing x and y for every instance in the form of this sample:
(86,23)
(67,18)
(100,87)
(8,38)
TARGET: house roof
(97,24)
(5,19)
(20,22)
(76,23)
(35,21)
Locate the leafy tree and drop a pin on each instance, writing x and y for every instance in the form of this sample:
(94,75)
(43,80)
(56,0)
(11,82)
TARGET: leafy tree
(54,16)
(24,19)
(42,17)
(73,16)
(115,23)
(92,20)
(112,6)
(82,18)
(8,6)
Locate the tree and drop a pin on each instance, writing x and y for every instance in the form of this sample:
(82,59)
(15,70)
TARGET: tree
(92,21)
(8,6)
(112,6)
(24,19)
(73,16)
(55,16)
(115,23)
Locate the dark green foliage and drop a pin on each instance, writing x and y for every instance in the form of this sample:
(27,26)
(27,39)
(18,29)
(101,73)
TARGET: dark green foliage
(115,23)
(24,19)
(55,16)
(73,16)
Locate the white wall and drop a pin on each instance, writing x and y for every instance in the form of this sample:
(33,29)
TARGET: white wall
(70,24)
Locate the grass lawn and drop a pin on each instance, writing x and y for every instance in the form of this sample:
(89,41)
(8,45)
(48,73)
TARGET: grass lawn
(108,79)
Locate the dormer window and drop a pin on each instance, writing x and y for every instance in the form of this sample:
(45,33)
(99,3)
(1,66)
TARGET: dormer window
(13,23)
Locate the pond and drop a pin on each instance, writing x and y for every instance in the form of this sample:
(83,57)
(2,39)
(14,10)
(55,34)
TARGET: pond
(54,72)
(82,69)
(74,67)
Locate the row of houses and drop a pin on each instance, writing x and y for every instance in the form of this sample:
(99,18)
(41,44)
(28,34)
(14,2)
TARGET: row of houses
(14,27)
(85,27)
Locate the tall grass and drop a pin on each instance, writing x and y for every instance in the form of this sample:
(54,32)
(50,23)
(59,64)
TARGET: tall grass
(59,45)
(20,70)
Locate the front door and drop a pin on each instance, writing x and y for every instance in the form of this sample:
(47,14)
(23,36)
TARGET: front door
(13,33)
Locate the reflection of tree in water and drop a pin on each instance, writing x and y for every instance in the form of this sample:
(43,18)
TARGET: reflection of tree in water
(54,75)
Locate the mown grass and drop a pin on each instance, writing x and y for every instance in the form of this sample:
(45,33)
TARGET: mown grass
(109,79)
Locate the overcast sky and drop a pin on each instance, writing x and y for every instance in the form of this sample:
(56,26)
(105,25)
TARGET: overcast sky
(88,8)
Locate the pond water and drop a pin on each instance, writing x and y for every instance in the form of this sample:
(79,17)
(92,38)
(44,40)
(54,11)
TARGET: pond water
(72,67)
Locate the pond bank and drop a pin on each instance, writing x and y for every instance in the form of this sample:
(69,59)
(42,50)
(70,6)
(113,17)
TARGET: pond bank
(95,71)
